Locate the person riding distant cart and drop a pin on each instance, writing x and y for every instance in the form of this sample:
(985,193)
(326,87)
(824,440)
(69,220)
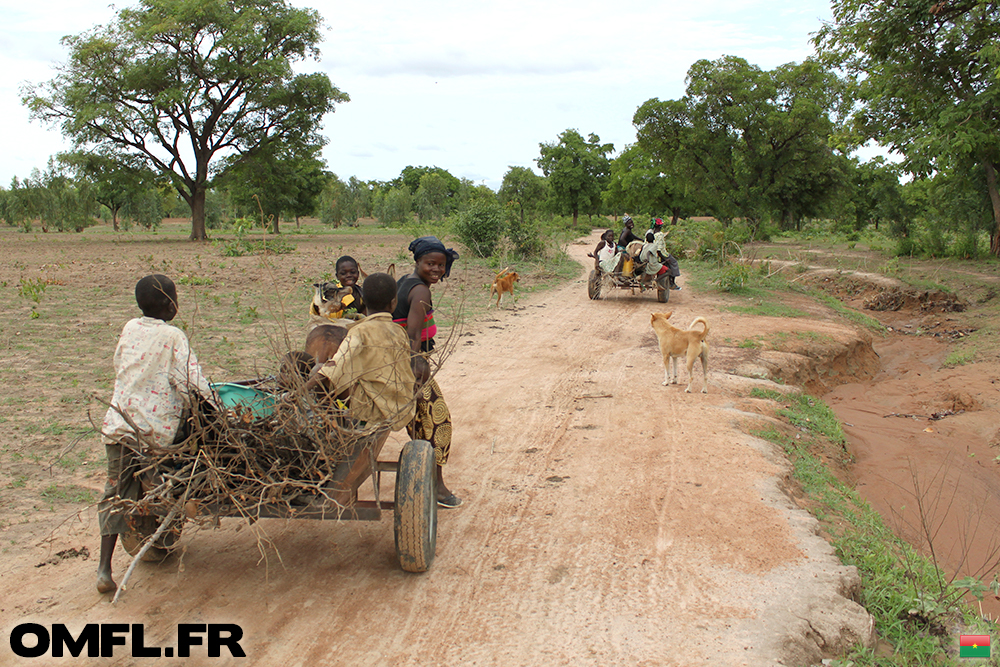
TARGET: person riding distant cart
(606,255)
(627,236)
(660,247)
(650,259)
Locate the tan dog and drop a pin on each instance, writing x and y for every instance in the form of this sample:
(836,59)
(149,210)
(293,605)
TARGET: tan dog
(504,282)
(676,342)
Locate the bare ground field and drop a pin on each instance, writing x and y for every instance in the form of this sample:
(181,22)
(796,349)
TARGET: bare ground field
(608,519)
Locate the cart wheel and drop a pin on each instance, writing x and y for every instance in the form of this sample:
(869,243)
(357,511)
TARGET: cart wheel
(133,539)
(415,516)
(594,285)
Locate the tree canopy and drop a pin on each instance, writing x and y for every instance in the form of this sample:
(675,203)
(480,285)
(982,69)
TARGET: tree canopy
(577,170)
(123,186)
(640,184)
(925,75)
(191,87)
(751,143)
(276,182)
(523,188)
(411,177)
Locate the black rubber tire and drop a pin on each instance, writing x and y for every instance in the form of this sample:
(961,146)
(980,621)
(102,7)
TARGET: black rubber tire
(133,540)
(594,285)
(415,515)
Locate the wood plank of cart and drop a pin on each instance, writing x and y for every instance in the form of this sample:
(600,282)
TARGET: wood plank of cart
(414,503)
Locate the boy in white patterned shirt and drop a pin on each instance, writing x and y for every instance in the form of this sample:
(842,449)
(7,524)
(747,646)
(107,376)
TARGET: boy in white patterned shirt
(155,370)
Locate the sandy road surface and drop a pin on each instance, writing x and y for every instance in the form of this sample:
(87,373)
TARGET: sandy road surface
(608,521)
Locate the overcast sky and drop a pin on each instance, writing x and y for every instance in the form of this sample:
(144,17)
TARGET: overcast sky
(468,86)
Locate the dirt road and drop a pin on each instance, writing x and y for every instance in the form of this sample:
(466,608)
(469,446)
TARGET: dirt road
(608,521)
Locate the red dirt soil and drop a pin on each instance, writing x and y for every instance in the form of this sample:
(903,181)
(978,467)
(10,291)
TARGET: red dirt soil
(608,520)
(929,476)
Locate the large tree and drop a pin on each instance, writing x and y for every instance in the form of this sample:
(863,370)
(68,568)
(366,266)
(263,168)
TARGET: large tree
(190,85)
(411,177)
(748,141)
(120,185)
(523,188)
(641,184)
(276,182)
(925,74)
(577,170)
(433,197)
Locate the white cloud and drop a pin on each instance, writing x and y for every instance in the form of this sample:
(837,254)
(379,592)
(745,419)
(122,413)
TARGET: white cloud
(470,87)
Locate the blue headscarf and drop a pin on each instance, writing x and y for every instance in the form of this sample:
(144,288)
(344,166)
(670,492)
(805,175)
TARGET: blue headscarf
(425,244)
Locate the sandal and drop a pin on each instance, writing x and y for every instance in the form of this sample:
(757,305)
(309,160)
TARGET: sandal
(450,502)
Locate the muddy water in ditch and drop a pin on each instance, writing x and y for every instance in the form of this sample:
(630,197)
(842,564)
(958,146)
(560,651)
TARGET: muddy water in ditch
(907,461)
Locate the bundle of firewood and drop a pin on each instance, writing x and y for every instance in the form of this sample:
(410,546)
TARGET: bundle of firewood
(235,462)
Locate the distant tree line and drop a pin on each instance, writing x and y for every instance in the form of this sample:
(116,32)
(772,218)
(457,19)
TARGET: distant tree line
(181,108)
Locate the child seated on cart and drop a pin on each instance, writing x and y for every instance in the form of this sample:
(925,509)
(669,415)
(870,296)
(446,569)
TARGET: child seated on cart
(155,372)
(374,362)
(607,258)
(660,246)
(650,259)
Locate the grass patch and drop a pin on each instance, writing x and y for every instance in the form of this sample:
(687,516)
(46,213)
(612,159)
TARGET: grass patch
(67,493)
(767,307)
(763,294)
(242,247)
(860,319)
(895,578)
(194,280)
(63,429)
(72,461)
(813,336)
(960,357)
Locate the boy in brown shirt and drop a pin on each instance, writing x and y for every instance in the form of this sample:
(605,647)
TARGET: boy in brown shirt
(374,361)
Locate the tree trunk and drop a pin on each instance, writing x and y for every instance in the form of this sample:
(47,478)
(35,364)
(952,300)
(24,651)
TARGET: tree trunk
(674,216)
(991,184)
(197,203)
(575,213)
(274,224)
(114,219)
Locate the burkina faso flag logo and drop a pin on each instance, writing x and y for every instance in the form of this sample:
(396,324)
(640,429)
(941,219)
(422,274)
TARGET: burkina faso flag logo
(974,646)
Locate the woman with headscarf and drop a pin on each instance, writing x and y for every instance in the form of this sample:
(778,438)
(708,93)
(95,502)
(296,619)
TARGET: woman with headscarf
(415,311)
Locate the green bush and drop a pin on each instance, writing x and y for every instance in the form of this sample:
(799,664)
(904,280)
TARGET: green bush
(907,246)
(933,241)
(734,277)
(525,237)
(480,226)
(393,207)
(967,246)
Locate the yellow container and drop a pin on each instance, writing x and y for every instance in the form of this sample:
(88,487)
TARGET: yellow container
(627,267)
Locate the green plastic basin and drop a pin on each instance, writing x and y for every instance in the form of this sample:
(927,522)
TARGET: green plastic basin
(260,403)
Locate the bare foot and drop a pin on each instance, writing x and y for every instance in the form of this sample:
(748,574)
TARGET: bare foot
(105,584)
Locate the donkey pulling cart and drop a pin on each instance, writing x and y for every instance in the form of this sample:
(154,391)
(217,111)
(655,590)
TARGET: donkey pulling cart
(264,458)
